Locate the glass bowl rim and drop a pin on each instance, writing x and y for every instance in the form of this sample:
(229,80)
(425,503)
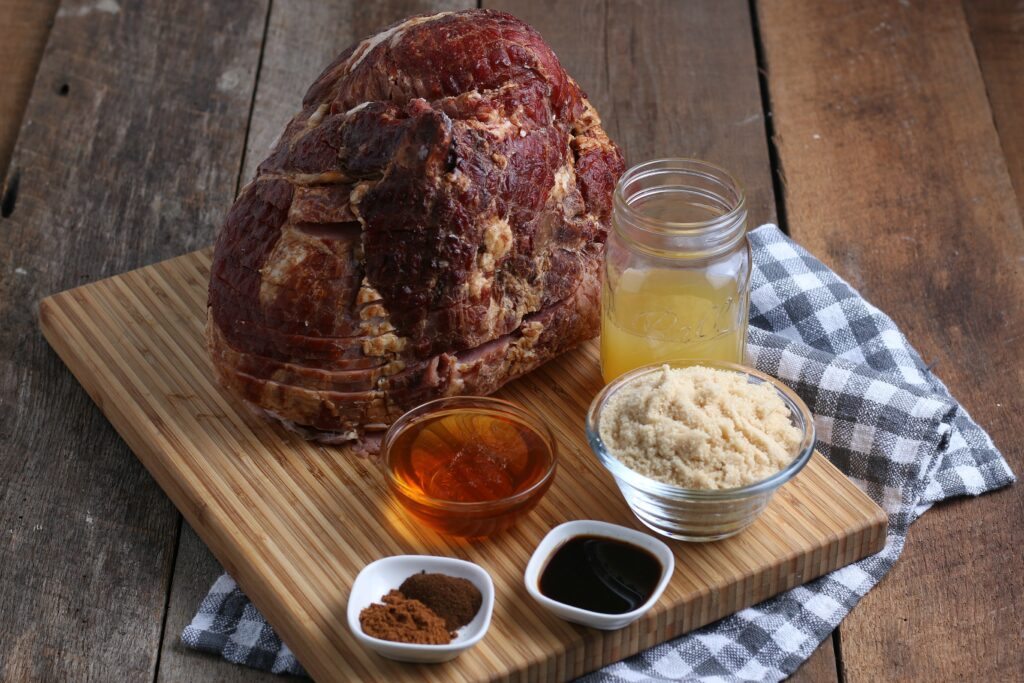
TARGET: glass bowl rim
(424,410)
(648,485)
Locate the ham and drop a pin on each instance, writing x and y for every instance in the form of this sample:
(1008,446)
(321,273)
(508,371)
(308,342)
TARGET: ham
(430,223)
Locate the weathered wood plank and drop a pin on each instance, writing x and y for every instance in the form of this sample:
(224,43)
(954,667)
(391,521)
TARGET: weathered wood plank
(820,667)
(323,29)
(672,80)
(668,78)
(895,177)
(26,23)
(134,162)
(997,30)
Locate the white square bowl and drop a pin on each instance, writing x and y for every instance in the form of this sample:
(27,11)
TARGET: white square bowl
(387,574)
(560,535)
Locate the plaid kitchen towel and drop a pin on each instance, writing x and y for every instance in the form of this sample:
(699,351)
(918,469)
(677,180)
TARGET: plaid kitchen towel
(882,418)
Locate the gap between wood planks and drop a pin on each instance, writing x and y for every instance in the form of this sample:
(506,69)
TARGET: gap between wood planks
(778,177)
(252,102)
(997,33)
(167,599)
(86,598)
(25,26)
(827,659)
(898,178)
(238,186)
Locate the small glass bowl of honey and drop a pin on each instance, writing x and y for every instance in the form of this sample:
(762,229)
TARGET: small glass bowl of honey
(469,466)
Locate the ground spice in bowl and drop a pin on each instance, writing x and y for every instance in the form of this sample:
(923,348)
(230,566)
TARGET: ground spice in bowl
(402,620)
(453,599)
(427,609)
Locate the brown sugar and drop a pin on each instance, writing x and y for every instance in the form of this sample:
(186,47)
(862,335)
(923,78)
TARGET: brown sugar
(700,428)
(402,620)
(454,599)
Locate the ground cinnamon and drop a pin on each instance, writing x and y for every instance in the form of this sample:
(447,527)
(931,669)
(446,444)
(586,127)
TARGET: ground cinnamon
(402,620)
(454,599)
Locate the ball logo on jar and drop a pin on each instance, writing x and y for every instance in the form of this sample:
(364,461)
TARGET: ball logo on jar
(716,321)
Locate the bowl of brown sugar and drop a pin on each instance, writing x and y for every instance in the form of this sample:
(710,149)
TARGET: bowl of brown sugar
(420,608)
(698,448)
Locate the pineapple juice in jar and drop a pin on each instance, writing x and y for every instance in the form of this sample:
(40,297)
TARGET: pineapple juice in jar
(677,268)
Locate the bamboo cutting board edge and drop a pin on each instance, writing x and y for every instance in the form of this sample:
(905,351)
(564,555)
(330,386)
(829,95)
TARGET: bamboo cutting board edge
(215,532)
(93,350)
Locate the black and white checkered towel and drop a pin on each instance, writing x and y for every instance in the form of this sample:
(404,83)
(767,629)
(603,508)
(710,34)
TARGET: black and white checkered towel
(882,418)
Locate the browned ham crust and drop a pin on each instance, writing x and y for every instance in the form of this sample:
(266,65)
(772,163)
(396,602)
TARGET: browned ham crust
(431,223)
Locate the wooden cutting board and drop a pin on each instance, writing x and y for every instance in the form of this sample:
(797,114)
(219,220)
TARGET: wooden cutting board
(294,522)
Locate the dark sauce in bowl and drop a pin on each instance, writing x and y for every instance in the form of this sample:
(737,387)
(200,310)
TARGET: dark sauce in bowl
(600,574)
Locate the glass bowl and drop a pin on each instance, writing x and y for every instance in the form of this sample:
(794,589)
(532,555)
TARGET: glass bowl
(699,514)
(500,419)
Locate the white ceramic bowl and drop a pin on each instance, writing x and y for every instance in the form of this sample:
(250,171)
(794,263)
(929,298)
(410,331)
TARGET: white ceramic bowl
(562,533)
(386,574)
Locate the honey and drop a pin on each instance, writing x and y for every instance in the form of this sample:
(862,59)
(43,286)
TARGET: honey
(469,470)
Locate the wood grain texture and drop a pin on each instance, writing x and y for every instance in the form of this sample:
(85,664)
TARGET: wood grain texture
(24,25)
(294,522)
(668,78)
(820,667)
(895,177)
(134,163)
(997,31)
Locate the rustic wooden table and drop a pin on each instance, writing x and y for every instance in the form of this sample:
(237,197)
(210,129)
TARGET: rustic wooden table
(887,137)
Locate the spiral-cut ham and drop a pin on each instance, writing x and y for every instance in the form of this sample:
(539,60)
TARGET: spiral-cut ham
(430,223)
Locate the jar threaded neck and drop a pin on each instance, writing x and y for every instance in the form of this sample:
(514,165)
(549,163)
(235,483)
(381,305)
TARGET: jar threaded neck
(685,208)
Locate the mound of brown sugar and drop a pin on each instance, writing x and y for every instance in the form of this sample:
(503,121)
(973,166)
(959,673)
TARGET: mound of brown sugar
(700,428)
(454,599)
(402,620)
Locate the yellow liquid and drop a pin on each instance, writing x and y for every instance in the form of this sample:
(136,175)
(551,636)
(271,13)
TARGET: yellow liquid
(666,314)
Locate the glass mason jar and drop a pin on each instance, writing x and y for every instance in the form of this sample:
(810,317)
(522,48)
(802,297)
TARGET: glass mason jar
(676,281)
